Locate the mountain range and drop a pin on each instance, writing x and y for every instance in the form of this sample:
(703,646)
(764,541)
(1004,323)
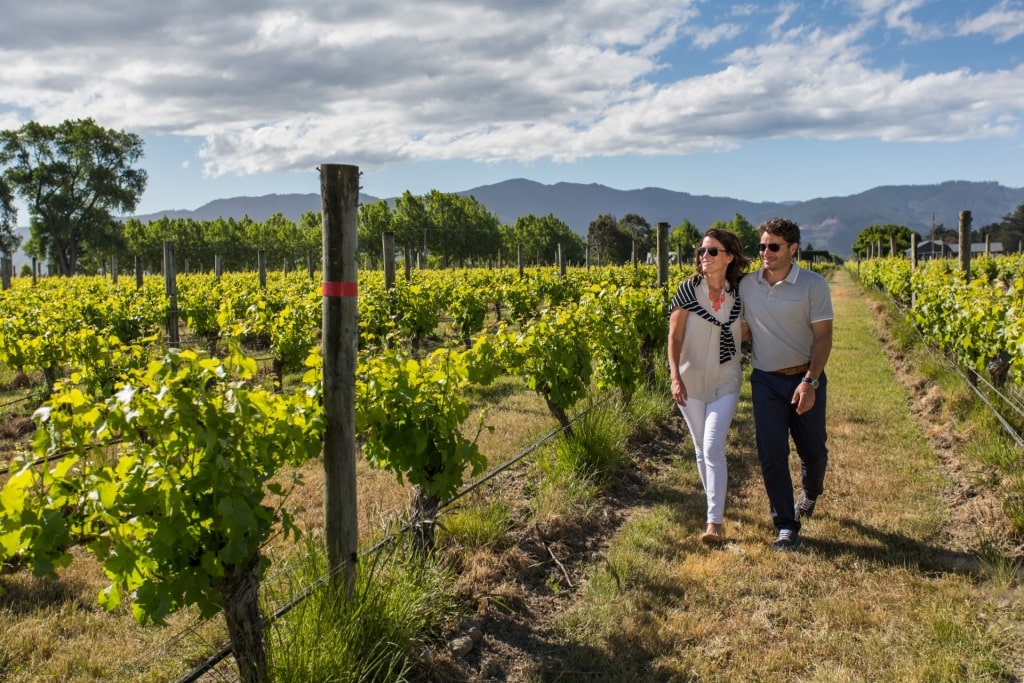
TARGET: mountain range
(831,223)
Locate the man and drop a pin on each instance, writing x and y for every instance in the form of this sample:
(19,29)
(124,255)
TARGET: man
(788,311)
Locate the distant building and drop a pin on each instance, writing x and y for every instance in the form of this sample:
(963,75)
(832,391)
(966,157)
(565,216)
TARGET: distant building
(933,249)
(936,249)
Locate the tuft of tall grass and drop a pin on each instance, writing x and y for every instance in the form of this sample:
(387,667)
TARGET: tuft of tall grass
(481,522)
(399,604)
(597,446)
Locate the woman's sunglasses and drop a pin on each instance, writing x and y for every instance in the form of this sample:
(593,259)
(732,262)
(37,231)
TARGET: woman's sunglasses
(708,250)
(774,246)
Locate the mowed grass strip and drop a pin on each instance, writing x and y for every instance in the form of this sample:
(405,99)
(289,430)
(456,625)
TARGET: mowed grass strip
(875,593)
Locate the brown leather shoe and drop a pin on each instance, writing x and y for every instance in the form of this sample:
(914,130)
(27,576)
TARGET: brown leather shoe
(713,536)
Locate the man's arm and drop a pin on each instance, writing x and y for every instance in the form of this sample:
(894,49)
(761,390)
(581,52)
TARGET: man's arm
(821,349)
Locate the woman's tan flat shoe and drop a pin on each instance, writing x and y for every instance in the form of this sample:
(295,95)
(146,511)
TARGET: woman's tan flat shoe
(713,538)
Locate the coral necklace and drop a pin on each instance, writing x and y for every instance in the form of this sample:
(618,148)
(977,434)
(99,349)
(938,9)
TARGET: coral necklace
(717,301)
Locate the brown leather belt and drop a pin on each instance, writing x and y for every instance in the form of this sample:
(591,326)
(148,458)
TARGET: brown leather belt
(795,370)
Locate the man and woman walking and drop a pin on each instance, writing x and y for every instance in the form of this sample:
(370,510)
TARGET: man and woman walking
(786,312)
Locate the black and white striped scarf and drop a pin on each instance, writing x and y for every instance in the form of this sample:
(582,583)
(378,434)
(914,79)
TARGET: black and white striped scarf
(686,297)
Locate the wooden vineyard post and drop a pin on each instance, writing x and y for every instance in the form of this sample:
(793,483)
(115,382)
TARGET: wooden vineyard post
(913,264)
(965,244)
(662,234)
(339,192)
(388,240)
(171,290)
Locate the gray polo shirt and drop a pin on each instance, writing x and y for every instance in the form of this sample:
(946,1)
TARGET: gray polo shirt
(780,316)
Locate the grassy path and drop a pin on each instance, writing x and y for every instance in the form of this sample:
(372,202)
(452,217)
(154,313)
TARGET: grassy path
(879,590)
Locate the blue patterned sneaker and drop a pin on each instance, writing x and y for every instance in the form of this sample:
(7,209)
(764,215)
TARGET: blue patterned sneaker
(787,539)
(805,506)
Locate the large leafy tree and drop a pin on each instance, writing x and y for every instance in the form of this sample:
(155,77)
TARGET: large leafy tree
(684,238)
(1011,229)
(74,177)
(540,237)
(742,228)
(461,228)
(374,221)
(311,234)
(409,221)
(608,244)
(639,231)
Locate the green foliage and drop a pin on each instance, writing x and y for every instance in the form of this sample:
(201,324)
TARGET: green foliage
(409,416)
(468,308)
(177,507)
(608,244)
(9,240)
(552,356)
(975,321)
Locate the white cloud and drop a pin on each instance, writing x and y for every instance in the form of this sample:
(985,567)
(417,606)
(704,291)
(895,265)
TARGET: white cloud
(898,14)
(1004,22)
(705,38)
(275,86)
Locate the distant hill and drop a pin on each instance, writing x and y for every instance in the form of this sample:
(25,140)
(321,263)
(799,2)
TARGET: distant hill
(292,206)
(831,223)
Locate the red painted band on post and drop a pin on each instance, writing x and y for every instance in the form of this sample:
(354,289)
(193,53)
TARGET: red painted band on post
(340,289)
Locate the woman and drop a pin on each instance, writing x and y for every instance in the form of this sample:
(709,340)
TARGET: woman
(704,361)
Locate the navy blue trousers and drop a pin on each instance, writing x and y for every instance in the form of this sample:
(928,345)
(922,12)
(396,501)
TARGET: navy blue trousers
(775,420)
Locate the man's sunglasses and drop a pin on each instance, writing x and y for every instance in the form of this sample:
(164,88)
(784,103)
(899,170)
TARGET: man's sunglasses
(774,246)
(708,250)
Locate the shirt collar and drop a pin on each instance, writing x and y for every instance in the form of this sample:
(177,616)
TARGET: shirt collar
(790,276)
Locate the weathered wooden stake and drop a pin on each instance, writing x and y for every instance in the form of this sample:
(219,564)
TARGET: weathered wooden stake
(662,234)
(171,290)
(339,191)
(388,244)
(965,244)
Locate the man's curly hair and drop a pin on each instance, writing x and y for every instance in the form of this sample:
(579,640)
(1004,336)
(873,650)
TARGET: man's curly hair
(782,227)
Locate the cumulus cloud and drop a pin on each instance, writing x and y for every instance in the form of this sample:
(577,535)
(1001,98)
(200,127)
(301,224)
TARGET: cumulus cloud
(274,86)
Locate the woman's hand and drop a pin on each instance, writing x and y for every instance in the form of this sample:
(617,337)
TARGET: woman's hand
(679,391)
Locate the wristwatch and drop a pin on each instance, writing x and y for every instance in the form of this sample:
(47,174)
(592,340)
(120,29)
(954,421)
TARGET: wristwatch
(810,380)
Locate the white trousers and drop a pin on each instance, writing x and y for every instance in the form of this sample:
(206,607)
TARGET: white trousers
(709,425)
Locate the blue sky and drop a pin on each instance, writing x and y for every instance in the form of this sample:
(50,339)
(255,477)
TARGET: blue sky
(757,101)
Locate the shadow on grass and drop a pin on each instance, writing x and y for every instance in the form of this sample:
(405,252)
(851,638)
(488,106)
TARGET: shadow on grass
(895,549)
(24,594)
